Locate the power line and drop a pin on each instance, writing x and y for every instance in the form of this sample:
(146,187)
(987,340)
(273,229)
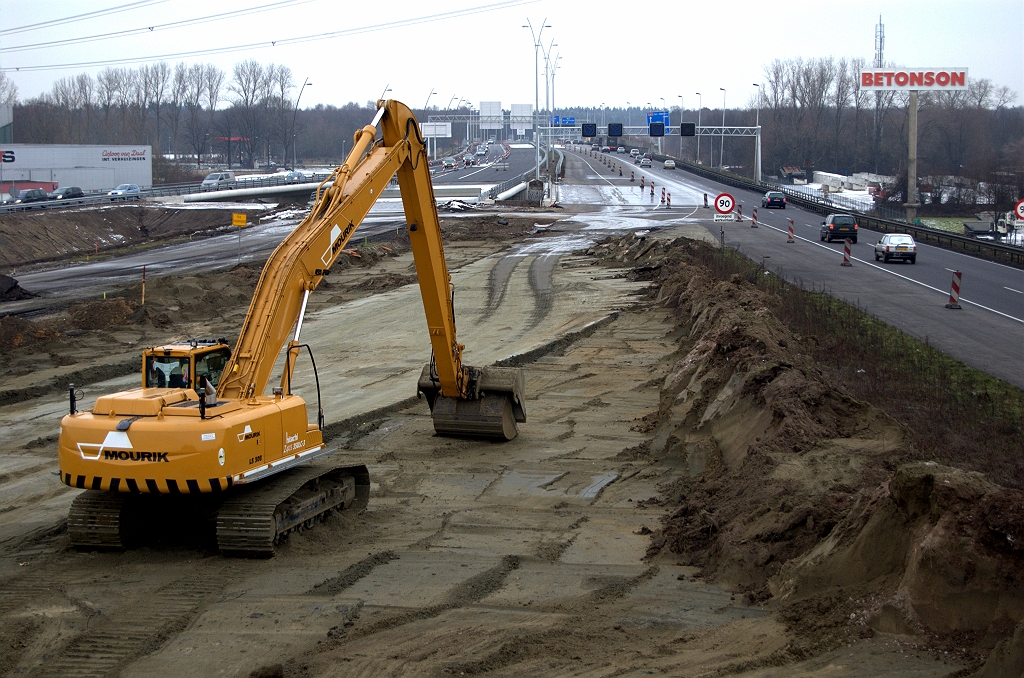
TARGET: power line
(505,4)
(157,27)
(80,17)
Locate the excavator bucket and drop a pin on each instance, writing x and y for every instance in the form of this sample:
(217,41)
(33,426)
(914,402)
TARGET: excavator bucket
(496,402)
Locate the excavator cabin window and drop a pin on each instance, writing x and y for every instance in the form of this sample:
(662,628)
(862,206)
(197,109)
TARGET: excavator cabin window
(168,372)
(211,364)
(177,371)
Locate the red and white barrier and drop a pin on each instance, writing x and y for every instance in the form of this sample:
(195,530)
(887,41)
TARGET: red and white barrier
(846,252)
(705,201)
(739,213)
(753,220)
(954,291)
(662,195)
(668,201)
(632,176)
(790,231)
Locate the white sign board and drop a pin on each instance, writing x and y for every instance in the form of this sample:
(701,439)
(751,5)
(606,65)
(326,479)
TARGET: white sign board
(442,130)
(522,117)
(491,116)
(906,79)
(92,167)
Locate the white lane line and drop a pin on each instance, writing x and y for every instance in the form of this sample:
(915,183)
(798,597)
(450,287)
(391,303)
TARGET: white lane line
(898,275)
(1012,290)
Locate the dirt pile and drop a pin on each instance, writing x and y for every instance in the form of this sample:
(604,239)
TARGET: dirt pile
(51,234)
(794,491)
(10,290)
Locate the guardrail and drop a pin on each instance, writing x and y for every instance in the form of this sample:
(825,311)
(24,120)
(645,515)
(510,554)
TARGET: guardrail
(1008,254)
(493,192)
(159,191)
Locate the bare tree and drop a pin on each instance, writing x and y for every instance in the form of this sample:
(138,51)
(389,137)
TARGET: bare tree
(250,87)
(160,76)
(8,90)
(176,100)
(196,122)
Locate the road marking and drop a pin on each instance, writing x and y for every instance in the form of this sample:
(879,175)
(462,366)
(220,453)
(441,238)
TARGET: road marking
(1012,290)
(899,275)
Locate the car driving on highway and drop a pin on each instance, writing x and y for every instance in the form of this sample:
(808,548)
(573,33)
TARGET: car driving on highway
(669,164)
(774,199)
(30,195)
(644,162)
(66,193)
(839,227)
(125,192)
(896,246)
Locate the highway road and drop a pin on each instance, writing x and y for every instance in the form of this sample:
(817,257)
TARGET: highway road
(987,333)
(491,169)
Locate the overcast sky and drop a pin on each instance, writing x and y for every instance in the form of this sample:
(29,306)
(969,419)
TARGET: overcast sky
(611,52)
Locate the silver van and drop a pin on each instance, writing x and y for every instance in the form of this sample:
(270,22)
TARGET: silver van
(218,180)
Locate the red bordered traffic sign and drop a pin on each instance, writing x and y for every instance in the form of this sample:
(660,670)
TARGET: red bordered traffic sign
(1018,209)
(724,203)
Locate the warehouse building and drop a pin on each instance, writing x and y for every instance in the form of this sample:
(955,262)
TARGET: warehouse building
(92,167)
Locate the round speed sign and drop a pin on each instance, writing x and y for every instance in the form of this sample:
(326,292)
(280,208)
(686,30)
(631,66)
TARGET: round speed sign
(724,203)
(1018,210)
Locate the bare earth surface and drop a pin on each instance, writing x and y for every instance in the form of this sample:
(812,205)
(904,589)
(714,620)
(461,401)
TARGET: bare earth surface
(689,496)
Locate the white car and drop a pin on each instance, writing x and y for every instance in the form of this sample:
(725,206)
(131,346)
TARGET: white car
(896,246)
(125,192)
(669,164)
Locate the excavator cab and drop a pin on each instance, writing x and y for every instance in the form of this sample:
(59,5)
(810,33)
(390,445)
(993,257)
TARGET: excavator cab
(185,365)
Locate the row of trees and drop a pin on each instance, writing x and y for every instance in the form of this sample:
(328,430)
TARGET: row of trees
(812,112)
(176,109)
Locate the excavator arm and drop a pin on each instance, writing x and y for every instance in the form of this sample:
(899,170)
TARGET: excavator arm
(460,397)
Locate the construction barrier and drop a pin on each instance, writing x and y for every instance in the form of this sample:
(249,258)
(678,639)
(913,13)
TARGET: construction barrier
(632,175)
(739,213)
(790,232)
(753,220)
(668,201)
(954,291)
(662,195)
(846,252)
(705,201)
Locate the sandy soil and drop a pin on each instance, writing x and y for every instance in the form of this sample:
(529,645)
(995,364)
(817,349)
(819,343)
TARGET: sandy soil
(50,235)
(688,496)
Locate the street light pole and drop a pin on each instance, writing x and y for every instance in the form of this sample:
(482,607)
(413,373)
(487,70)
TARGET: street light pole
(721,152)
(535,35)
(432,93)
(680,126)
(757,139)
(306,83)
(700,105)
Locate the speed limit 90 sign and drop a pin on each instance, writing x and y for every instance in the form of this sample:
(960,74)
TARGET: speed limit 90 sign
(1018,209)
(724,203)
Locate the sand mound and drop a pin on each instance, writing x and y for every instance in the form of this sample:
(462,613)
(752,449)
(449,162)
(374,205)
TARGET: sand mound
(10,290)
(795,491)
(16,332)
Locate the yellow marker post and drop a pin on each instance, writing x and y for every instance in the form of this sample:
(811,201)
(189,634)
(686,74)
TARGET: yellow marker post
(239,220)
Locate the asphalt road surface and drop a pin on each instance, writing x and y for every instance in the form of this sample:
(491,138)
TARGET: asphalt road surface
(491,170)
(987,333)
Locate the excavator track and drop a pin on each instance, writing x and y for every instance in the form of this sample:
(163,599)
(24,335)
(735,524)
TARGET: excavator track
(95,521)
(252,520)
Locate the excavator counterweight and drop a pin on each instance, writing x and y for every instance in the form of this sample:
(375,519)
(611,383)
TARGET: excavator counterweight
(202,422)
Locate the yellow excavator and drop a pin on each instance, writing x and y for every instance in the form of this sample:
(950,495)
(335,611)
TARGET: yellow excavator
(202,423)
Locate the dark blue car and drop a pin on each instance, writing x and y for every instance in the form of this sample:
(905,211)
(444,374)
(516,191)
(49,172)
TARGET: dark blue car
(774,199)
